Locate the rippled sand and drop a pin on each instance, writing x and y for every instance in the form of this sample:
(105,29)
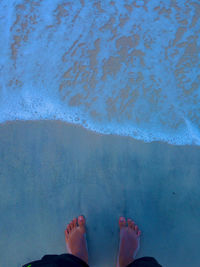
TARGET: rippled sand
(53,171)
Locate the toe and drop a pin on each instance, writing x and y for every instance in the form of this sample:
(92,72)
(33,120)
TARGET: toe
(68,228)
(71,225)
(75,222)
(67,231)
(139,233)
(81,220)
(122,222)
(133,225)
(136,229)
(66,234)
(129,223)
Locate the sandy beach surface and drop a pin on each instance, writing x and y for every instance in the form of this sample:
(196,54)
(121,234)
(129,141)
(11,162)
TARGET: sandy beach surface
(52,171)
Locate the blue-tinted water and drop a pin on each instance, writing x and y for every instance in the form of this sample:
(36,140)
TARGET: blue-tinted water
(121,67)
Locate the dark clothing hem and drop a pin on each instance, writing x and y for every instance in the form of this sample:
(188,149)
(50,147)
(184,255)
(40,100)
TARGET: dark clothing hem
(63,260)
(69,260)
(145,262)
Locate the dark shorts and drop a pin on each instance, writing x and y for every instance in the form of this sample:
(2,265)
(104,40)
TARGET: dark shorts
(69,260)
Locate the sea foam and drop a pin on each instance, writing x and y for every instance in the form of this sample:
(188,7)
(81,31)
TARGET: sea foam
(129,68)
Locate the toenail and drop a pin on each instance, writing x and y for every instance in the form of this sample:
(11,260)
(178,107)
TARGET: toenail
(122,219)
(81,218)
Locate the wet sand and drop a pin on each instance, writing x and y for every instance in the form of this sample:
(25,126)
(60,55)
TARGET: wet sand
(51,172)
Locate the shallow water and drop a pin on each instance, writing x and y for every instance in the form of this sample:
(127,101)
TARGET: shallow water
(122,67)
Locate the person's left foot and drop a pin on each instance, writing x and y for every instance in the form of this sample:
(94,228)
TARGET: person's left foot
(76,239)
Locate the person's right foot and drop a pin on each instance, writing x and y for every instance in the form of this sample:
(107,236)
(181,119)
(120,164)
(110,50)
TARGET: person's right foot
(75,238)
(129,242)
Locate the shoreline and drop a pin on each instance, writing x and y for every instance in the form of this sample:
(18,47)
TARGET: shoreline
(93,131)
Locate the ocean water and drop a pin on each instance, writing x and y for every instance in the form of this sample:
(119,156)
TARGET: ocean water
(130,68)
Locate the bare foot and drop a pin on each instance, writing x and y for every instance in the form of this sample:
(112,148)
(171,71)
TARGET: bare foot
(76,238)
(129,242)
